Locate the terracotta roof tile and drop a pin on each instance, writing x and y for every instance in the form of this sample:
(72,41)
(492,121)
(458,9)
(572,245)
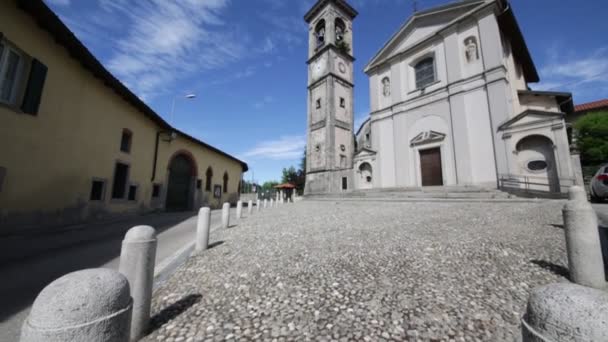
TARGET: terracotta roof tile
(591,105)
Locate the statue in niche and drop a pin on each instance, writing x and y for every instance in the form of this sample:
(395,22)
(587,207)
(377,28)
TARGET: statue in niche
(386,87)
(471,52)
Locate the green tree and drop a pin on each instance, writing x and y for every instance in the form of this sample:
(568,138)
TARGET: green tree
(289,175)
(269,186)
(592,137)
(303,163)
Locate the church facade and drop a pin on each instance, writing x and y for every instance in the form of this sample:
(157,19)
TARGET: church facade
(449,100)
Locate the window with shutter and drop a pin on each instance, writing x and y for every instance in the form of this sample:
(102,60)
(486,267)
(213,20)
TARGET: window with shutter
(10,64)
(225,182)
(35,85)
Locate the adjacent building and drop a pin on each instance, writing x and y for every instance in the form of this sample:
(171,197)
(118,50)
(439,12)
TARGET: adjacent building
(78,145)
(450,105)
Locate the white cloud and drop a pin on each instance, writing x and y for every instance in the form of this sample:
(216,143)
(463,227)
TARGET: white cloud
(263,102)
(162,42)
(268,46)
(585,75)
(59,2)
(285,148)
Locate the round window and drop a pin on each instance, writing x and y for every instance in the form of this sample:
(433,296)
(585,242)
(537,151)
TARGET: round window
(537,165)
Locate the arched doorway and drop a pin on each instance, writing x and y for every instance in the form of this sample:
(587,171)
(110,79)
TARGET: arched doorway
(366,174)
(180,188)
(537,160)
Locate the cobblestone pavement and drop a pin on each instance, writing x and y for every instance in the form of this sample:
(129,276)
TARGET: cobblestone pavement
(324,271)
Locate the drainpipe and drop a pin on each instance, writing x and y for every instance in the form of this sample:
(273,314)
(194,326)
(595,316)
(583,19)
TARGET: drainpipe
(155,156)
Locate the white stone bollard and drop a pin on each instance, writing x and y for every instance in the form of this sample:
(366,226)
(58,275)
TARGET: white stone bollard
(137,258)
(226,215)
(249,207)
(565,312)
(272,203)
(585,260)
(91,305)
(577,193)
(265,203)
(202,229)
(239,210)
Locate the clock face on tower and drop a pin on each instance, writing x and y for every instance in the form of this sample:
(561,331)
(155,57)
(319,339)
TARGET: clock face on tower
(318,68)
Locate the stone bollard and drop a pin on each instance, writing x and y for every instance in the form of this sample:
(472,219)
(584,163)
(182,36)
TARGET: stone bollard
(577,193)
(137,259)
(249,207)
(202,229)
(239,210)
(272,203)
(257,205)
(565,312)
(226,215)
(91,305)
(265,203)
(585,260)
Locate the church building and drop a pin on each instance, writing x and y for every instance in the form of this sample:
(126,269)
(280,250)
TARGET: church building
(450,105)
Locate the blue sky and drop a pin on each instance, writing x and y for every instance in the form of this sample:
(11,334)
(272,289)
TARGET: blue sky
(245,61)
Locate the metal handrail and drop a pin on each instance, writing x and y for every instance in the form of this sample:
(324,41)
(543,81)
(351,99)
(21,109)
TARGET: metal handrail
(528,181)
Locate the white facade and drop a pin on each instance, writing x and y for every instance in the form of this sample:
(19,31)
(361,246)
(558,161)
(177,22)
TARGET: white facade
(450,105)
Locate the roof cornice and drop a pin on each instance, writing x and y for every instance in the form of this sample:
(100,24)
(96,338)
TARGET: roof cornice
(373,63)
(341,4)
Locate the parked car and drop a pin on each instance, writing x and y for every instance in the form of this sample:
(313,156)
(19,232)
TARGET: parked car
(599,185)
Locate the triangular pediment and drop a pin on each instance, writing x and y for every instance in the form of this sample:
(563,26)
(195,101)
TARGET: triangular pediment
(530,117)
(427,137)
(421,26)
(365,152)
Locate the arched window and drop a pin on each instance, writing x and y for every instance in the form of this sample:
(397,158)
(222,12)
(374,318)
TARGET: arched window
(208,178)
(225,182)
(320,33)
(425,72)
(340,30)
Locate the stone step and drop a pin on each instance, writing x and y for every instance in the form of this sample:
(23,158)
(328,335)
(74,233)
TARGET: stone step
(418,193)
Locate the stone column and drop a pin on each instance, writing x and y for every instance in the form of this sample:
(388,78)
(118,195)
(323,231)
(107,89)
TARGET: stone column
(239,210)
(257,205)
(249,207)
(565,313)
(585,260)
(137,259)
(265,203)
(226,215)
(202,229)
(92,305)
(271,203)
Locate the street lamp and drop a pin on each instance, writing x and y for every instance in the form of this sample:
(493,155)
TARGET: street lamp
(186,97)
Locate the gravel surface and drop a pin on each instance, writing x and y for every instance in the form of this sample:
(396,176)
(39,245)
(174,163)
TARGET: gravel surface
(324,271)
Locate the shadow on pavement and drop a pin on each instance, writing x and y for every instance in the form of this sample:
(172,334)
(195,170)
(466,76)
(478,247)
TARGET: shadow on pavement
(174,310)
(215,244)
(553,268)
(81,249)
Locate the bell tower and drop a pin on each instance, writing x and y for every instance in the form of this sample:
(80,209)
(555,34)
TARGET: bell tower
(330,145)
